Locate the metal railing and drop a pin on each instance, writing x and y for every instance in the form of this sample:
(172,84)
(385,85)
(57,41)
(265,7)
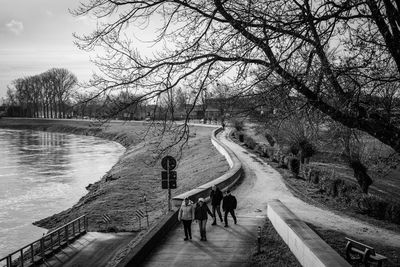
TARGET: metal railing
(42,248)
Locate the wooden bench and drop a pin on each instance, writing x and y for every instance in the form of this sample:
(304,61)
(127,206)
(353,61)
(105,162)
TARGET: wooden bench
(364,253)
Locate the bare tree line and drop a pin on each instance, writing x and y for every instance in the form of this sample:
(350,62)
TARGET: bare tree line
(340,56)
(46,95)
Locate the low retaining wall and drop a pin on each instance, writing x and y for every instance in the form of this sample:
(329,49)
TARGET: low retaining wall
(223,182)
(150,240)
(306,245)
(155,234)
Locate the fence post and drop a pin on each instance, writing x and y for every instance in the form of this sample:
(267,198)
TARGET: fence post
(73,228)
(9,261)
(66,234)
(22,257)
(42,247)
(86,222)
(32,254)
(59,237)
(259,240)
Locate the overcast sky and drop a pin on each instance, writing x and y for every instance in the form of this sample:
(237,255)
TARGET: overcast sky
(36,35)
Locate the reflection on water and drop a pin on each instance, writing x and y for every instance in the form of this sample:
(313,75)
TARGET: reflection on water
(42,173)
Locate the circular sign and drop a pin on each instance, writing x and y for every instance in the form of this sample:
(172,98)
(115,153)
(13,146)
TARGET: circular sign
(168,163)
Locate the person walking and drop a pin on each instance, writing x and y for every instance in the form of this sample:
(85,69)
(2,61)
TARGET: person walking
(216,198)
(186,215)
(229,205)
(200,214)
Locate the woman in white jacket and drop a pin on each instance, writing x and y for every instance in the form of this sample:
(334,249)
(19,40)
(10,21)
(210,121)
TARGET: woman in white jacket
(186,215)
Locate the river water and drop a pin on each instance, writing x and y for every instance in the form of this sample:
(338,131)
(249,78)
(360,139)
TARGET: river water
(42,173)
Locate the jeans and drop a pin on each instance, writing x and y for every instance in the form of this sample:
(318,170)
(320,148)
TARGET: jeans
(232,212)
(216,208)
(187,226)
(202,228)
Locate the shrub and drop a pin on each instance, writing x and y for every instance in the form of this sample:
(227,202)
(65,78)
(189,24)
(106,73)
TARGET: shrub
(360,173)
(294,165)
(393,213)
(334,185)
(237,124)
(304,147)
(250,143)
(314,176)
(270,139)
(378,207)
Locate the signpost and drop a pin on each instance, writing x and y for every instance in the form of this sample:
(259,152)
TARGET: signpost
(168,177)
(107,220)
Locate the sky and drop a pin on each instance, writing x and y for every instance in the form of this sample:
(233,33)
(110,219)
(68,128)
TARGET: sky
(36,35)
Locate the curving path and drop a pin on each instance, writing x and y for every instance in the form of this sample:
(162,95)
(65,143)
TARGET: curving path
(263,183)
(230,246)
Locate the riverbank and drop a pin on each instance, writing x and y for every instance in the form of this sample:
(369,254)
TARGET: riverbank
(119,193)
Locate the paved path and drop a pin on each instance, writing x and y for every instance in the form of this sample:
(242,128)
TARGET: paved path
(92,249)
(224,246)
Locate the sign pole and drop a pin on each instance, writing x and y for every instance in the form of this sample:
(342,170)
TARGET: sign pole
(145,206)
(169,188)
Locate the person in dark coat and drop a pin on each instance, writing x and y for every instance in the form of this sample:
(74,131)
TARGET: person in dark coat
(216,198)
(200,215)
(229,205)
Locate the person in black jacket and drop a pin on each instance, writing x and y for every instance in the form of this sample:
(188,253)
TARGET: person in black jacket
(200,215)
(216,198)
(229,205)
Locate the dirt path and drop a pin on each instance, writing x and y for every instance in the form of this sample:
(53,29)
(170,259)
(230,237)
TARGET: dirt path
(263,183)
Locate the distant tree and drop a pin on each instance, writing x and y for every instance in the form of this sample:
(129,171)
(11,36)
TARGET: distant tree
(46,94)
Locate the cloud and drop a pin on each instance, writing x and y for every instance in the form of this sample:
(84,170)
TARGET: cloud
(15,26)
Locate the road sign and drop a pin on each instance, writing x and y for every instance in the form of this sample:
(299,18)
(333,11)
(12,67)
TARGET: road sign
(172,184)
(140,214)
(172,175)
(106,218)
(168,163)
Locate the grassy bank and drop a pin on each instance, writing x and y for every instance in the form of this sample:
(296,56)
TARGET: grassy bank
(273,250)
(120,191)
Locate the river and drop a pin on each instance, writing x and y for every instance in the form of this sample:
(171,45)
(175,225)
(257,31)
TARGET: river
(42,173)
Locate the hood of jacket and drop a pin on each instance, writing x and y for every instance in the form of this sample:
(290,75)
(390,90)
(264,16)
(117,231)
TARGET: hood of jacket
(184,205)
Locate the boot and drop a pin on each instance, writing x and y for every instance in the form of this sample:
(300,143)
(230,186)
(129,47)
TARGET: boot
(205,238)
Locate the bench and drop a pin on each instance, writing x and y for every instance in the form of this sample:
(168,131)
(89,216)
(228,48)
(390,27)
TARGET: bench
(363,253)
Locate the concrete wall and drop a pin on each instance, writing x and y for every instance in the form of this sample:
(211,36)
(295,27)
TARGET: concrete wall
(150,240)
(157,232)
(223,182)
(306,245)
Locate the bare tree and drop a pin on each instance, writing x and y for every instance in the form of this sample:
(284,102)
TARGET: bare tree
(318,48)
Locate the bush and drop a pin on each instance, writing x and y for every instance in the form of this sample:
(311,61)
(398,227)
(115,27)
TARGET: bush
(314,176)
(378,207)
(294,165)
(270,139)
(237,124)
(395,213)
(304,147)
(250,143)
